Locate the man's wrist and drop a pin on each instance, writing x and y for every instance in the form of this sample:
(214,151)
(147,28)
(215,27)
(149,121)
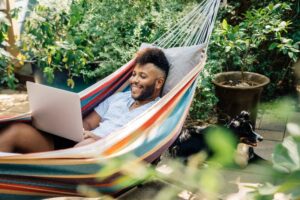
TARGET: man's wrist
(89,134)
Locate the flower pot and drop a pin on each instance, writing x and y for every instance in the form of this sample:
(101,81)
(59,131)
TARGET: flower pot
(234,99)
(60,80)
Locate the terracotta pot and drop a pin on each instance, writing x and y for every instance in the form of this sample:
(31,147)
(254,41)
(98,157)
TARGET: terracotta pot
(234,99)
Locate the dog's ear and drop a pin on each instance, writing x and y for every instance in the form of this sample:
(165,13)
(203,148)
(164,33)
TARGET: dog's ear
(245,115)
(234,124)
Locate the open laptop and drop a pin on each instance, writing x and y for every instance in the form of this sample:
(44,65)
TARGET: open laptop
(55,111)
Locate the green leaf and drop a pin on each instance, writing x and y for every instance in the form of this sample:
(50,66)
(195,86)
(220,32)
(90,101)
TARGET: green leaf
(291,54)
(65,59)
(236,29)
(70,82)
(286,157)
(273,46)
(277,6)
(225,24)
(49,59)
(49,72)
(294,50)
(227,49)
(222,143)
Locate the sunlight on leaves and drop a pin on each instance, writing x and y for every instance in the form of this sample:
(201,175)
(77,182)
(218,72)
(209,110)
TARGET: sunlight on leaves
(294,129)
(222,144)
(70,83)
(211,182)
(286,157)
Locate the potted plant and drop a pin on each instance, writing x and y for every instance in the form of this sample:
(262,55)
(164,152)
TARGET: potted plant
(240,46)
(237,92)
(56,46)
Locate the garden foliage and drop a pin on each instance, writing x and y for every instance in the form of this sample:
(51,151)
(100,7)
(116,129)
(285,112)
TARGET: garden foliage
(7,73)
(91,39)
(262,38)
(77,35)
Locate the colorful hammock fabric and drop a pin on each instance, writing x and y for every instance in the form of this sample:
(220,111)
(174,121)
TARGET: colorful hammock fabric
(58,173)
(145,137)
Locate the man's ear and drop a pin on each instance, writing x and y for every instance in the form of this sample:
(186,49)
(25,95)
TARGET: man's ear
(160,83)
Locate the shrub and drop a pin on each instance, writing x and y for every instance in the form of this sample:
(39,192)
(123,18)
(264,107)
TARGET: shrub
(7,76)
(258,40)
(82,32)
(255,43)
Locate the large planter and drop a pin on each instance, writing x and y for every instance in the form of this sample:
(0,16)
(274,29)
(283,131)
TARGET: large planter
(60,80)
(234,99)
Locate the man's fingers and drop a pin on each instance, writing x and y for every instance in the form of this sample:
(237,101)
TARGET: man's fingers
(89,134)
(86,134)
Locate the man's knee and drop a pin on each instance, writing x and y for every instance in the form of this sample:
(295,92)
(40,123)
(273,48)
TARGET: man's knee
(9,135)
(16,128)
(16,131)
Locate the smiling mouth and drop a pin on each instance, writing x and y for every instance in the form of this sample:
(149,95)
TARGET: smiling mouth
(136,87)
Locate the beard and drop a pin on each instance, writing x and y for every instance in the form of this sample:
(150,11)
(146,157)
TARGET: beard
(146,93)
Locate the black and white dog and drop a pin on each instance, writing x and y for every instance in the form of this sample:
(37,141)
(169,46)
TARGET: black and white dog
(192,139)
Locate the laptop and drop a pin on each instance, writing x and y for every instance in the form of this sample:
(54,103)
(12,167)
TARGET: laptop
(55,111)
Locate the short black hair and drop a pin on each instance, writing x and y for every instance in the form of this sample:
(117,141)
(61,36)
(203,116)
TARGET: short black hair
(155,56)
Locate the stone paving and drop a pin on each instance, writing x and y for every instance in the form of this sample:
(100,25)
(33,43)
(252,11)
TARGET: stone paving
(270,125)
(13,102)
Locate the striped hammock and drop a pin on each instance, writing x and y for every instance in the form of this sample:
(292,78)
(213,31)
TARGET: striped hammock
(59,173)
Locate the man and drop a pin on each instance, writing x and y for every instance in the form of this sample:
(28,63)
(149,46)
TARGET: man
(147,81)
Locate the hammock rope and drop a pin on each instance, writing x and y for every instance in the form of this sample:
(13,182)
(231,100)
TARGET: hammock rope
(194,29)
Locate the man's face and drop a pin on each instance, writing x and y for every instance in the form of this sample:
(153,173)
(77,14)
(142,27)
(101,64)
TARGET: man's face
(146,82)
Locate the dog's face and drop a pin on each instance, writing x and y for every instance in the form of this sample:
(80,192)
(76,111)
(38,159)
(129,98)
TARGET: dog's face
(243,129)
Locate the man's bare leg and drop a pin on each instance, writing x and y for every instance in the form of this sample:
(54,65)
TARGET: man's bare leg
(25,139)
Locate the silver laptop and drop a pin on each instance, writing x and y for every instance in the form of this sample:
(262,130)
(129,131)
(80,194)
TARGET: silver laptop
(55,111)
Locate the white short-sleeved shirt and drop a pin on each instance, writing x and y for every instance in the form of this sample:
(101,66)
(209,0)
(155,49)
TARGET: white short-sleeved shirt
(115,113)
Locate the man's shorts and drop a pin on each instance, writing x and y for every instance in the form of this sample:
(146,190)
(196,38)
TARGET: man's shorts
(62,143)
(59,142)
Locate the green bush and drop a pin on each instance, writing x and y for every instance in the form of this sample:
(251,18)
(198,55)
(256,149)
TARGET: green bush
(204,99)
(107,32)
(261,39)
(7,75)
(54,40)
(256,41)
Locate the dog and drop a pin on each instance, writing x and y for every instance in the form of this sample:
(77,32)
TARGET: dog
(192,139)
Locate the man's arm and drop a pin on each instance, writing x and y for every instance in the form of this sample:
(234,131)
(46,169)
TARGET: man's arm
(91,121)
